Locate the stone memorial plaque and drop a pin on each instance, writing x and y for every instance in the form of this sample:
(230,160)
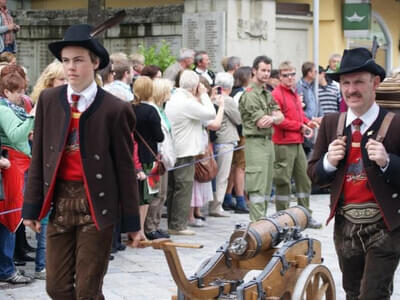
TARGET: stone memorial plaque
(205,31)
(131,45)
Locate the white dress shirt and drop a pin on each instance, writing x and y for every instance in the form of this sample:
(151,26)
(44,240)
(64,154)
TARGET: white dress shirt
(86,96)
(367,119)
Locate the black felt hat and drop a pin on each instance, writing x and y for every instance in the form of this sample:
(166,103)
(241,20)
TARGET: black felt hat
(358,60)
(80,35)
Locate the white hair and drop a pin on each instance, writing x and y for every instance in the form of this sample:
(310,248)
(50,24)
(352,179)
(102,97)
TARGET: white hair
(224,80)
(189,80)
(186,53)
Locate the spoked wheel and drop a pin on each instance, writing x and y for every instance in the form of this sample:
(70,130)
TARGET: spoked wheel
(315,283)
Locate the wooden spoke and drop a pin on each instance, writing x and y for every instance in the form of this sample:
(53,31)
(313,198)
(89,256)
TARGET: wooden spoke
(315,283)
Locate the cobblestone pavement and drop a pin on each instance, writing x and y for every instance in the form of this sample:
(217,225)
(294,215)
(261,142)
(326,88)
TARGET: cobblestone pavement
(144,274)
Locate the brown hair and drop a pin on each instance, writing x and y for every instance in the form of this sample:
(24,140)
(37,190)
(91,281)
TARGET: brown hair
(120,67)
(150,71)
(14,69)
(307,67)
(11,82)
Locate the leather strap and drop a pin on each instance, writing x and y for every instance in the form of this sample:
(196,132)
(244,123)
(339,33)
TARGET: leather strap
(341,122)
(147,145)
(384,127)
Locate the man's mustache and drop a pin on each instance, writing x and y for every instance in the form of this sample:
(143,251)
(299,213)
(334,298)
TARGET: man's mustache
(354,95)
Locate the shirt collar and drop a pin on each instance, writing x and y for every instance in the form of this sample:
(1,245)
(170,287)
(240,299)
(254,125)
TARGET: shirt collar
(368,117)
(86,96)
(122,84)
(201,71)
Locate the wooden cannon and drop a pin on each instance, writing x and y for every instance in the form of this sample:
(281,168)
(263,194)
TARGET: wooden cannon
(293,270)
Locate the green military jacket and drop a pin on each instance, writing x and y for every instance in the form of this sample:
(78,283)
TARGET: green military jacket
(256,102)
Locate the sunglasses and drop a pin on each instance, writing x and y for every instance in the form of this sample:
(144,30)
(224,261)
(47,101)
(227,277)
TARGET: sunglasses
(287,75)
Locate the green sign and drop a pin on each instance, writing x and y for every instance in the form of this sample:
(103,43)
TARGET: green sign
(356,16)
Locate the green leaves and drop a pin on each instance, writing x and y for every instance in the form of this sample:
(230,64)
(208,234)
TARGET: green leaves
(160,56)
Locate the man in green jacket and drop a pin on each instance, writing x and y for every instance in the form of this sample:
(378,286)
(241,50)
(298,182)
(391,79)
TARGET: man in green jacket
(259,111)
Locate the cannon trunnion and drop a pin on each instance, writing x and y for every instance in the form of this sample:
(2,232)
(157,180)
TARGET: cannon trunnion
(292,271)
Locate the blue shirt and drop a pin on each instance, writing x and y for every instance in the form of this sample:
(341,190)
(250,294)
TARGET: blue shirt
(312,108)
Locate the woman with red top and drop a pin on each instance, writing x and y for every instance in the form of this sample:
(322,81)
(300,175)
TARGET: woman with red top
(15,127)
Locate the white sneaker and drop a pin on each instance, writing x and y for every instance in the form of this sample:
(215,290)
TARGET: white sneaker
(197,223)
(41,275)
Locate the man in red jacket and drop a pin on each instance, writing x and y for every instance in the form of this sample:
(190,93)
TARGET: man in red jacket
(290,159)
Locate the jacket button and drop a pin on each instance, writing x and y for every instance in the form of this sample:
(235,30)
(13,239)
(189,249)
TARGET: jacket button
(101,194)
(46,183)
(96,157)
(47,165)
(104,212)
(394,195)
(398,211)
(99,176)
(51,148)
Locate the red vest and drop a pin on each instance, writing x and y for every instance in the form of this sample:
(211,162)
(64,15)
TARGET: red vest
(356,188)
(71,164)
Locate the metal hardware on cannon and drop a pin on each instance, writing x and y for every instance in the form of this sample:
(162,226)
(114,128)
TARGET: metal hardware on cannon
(292,271)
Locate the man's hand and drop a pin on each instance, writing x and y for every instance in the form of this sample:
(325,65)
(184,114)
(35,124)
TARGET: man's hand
(314,123)
(307,131)
(265,121)
(336,151)
(277,117)
(134,238)
(377,152)
(33,224)
(13,27)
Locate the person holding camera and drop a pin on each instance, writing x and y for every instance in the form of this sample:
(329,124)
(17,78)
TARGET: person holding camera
(187,110)
(227,138)
(288,137)
(7,30)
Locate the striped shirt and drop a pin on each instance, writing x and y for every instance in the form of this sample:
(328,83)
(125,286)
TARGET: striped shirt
(329,98)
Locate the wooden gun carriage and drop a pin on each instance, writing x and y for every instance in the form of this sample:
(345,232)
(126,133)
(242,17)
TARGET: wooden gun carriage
(292,271)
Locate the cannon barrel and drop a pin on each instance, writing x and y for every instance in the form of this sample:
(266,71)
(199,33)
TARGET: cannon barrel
(248,241)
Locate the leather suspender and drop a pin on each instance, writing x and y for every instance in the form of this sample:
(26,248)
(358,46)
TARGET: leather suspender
(382,129)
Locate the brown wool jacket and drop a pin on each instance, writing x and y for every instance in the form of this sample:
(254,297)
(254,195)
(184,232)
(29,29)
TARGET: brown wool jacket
(385,186)
(106,147)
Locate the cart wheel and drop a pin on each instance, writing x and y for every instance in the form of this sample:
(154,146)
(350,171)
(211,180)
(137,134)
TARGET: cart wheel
(315,283)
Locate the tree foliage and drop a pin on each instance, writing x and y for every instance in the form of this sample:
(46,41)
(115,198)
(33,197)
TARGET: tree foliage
(160,56)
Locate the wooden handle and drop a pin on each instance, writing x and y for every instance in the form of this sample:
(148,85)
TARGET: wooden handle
(180,245)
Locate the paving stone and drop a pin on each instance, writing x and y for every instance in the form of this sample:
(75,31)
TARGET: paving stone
(143,274)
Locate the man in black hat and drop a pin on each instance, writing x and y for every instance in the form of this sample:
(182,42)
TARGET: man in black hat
(363,174)
(82,169)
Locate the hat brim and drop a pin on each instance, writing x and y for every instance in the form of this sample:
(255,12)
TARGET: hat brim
(370,67)
(92,45)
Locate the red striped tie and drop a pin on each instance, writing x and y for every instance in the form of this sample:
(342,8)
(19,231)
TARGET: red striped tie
(75,100)
(356,137)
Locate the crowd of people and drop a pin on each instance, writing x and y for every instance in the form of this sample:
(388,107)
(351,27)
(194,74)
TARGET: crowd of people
(105,142)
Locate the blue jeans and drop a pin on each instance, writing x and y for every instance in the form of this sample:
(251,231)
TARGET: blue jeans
(7,245)
(9,48)
(40,260)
